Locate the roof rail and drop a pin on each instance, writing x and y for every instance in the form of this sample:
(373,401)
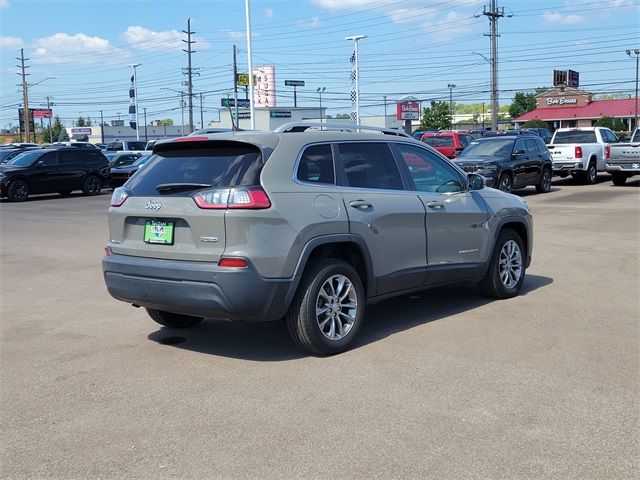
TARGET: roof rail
(342,127)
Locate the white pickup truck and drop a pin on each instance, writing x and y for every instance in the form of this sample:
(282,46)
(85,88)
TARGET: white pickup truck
(624,161)
(581,152)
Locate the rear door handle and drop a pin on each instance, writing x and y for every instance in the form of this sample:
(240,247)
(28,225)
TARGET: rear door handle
(435,205)
(360,204)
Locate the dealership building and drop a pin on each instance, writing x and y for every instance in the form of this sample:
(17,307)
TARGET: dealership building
(566,106)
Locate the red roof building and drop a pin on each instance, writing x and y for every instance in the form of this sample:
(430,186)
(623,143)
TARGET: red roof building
(571,107)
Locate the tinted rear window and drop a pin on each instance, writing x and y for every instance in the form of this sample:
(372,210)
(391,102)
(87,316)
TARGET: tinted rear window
(442,141)
(224,166)
(575,137)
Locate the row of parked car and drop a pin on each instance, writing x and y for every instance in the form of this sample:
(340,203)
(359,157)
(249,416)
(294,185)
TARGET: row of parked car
(519,158)
(62,168)
(513,160)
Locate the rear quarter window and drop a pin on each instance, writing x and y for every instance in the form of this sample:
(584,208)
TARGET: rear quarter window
(228,164)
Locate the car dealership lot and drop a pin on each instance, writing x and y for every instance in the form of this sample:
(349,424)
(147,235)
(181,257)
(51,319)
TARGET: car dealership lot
(441,384)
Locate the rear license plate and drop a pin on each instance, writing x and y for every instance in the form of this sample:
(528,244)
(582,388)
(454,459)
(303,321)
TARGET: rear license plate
(159,232)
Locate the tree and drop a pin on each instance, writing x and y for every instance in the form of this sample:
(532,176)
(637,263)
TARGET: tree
(436,117)
(63,136)
(615,124)
(611,96)
(343,116)
(522,103)
(56,128)
(167,121)
(81,122)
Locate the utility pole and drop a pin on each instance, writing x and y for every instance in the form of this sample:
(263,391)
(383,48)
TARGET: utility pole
(252,107)
(636,52)
(235,124)
(101,125)
(25,96)
(145,124)
(189,42)
(182,113)
(494,14)
(451,86)
(201,113)
(50,115)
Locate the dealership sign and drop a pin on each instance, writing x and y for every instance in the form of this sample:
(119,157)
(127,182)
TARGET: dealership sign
(562,101)
(41,112)
(81,131)
(408,111)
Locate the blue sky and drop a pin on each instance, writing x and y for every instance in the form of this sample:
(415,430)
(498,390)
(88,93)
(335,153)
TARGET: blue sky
(413,47)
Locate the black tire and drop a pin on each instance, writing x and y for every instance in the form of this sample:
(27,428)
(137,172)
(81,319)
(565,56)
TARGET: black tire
(618,179)
(173,320)
(64,193)
(91,185)
(505,183)
(544,185)
(302,321)
(590,177)
(492,284)
(18,191)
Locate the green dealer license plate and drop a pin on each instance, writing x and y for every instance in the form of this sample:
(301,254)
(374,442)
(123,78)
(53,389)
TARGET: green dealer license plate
(158,231)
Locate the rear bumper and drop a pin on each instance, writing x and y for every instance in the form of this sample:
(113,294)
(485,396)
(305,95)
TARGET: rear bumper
(571,167)
(624,168)
(195,288)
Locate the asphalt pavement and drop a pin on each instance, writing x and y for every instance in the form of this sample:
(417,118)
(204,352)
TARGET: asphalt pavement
(442,384)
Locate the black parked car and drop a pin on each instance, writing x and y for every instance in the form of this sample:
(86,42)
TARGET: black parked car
(509,162)
(121,159)
(119,175)
(543,133)
(7,154)
(53,169)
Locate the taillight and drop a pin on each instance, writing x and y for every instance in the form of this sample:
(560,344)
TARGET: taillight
(578,152)
(107,252)
(238,198)
(119,196)
(607,151)
(233,262)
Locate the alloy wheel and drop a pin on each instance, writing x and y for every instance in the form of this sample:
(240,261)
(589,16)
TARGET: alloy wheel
(510,264)
(336,307)
(505,184)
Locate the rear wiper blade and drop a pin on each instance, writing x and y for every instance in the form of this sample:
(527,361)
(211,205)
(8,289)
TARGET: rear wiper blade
(175,187)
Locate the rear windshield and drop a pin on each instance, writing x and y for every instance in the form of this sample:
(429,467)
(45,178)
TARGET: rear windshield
(576,136)
(499,147)
(222,166)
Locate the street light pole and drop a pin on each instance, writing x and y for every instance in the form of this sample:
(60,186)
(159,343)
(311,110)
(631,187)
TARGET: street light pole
(135,93)
(355,39)
(50,115)
(636,52)
(101,127)
(320,92)
(451,87)
(252,112)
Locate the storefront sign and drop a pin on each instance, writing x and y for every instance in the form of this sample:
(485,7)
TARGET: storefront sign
(280,114)
(81,130)
(408,111)
(562,101)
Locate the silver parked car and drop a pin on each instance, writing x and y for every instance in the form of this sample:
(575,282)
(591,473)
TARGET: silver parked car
(308,226)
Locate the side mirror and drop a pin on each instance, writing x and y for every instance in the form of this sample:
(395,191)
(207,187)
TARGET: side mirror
(476,182)
(40,163)
(520,151)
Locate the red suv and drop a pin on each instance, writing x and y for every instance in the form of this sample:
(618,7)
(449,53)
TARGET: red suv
(449,144)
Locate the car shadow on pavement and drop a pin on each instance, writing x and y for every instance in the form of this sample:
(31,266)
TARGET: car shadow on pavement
(270,341)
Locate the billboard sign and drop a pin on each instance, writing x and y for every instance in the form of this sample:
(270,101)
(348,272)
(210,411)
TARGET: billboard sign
(41,112)
(408,111)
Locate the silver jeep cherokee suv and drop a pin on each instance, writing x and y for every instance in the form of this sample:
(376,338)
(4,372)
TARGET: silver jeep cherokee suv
(308,226)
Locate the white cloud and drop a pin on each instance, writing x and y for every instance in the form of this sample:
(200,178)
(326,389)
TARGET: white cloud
(145,39)
(65,48)
(313,22)
(4,4)
(10,42)
(557,18)
(235,34)
(342,4)
(269,13)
